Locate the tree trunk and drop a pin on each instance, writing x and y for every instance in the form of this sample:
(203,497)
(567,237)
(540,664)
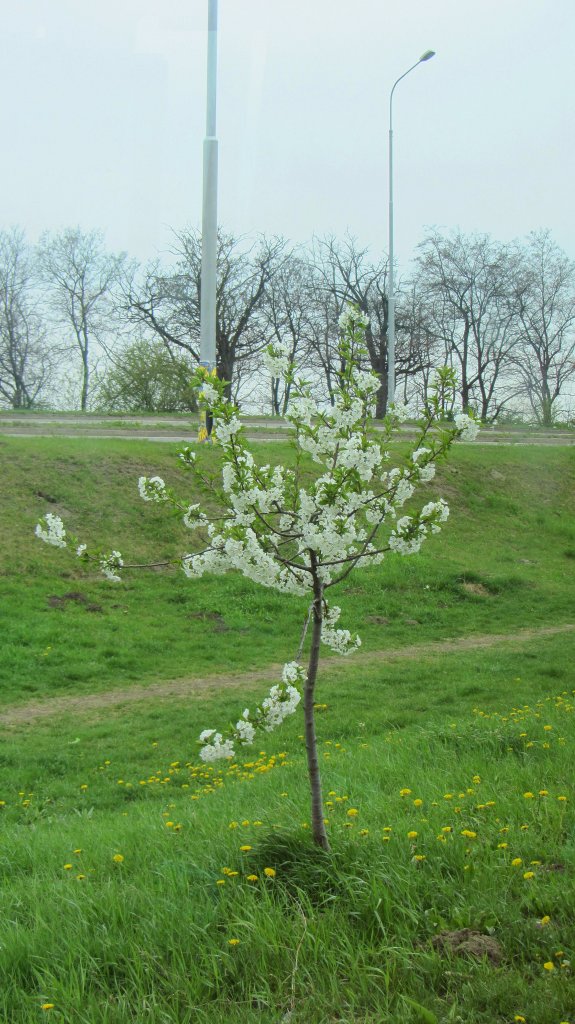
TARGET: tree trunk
(381,398)
(317,809)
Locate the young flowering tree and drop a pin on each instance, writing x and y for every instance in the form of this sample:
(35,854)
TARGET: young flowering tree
(304,540)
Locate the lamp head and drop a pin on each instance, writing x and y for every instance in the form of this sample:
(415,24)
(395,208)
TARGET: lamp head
(427,55)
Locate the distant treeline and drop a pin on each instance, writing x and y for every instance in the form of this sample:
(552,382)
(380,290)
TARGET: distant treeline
(84,328)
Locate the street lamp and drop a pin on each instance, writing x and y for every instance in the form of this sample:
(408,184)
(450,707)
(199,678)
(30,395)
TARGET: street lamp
(209,214)
(391,299)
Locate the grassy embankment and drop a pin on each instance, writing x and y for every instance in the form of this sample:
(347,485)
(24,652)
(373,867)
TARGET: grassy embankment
(437,755)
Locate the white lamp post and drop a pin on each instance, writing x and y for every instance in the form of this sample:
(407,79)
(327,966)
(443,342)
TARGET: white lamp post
(391,298)
(210,204)
(209,220)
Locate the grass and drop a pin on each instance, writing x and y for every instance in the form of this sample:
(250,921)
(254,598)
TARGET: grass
(120,897)
(346,937)
(503,562)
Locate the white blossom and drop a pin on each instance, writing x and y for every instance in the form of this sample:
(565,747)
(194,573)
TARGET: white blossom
(276,360)
(245,732)
(467,426)
(417,454)
(353,317)
(109,564)
(224,431)
(80,550)
(339,640)
(282,702)
(218,749)
(209,394)
(152,489)
(401,411)
(51,530)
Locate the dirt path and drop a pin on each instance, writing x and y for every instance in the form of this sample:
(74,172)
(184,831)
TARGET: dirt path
(27,714)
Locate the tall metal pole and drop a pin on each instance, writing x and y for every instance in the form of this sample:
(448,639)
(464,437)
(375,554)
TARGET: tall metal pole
(391,296)
(210,204)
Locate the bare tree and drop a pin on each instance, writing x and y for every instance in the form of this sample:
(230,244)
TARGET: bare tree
(25,360)
(468,286)
(348,275)
(545,292)
(79,276)
(167,303)
(289,317)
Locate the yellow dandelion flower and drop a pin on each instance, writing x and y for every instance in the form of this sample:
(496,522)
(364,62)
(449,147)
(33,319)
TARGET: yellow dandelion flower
(80,878)
(549,966)
(476,779)
(245,849)
(412,835)
(562,799)
(385,839)
(547,728)
(448,796)
(544,920)
(418,803)
(169,824)
(232,874)
(364,832)
(528,874)
(244,823)
(528,796)
(387,828)
(118,858)
(502,846)
(68,867)
(47,1006)
(352,812)
(446,829)
(519,1019)
(419,857)
(270,872)
(233,824)
(516,862)
(233,942)
(252,878)
(76,851)
(405,792)
(469,834)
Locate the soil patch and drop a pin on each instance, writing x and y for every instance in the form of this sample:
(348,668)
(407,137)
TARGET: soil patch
(466,942)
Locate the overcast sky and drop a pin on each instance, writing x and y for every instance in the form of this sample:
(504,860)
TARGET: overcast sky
(103,115)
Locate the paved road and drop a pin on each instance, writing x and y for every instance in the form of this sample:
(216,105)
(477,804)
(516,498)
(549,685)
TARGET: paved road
(158,429)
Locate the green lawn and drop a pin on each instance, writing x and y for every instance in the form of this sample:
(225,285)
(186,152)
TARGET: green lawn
(456,768)
(503,562)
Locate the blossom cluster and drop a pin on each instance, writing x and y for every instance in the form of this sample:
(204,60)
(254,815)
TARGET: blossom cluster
(152,489)
(51,530)
(282,701)
(109,565)
(410,532)
(467,427)
(339,640)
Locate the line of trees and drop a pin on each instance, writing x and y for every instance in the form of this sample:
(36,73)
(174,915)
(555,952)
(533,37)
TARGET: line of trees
(117,335)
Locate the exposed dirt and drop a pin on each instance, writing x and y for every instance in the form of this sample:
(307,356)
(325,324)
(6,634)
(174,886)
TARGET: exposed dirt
(27,714)
(466,942)
(477,589)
